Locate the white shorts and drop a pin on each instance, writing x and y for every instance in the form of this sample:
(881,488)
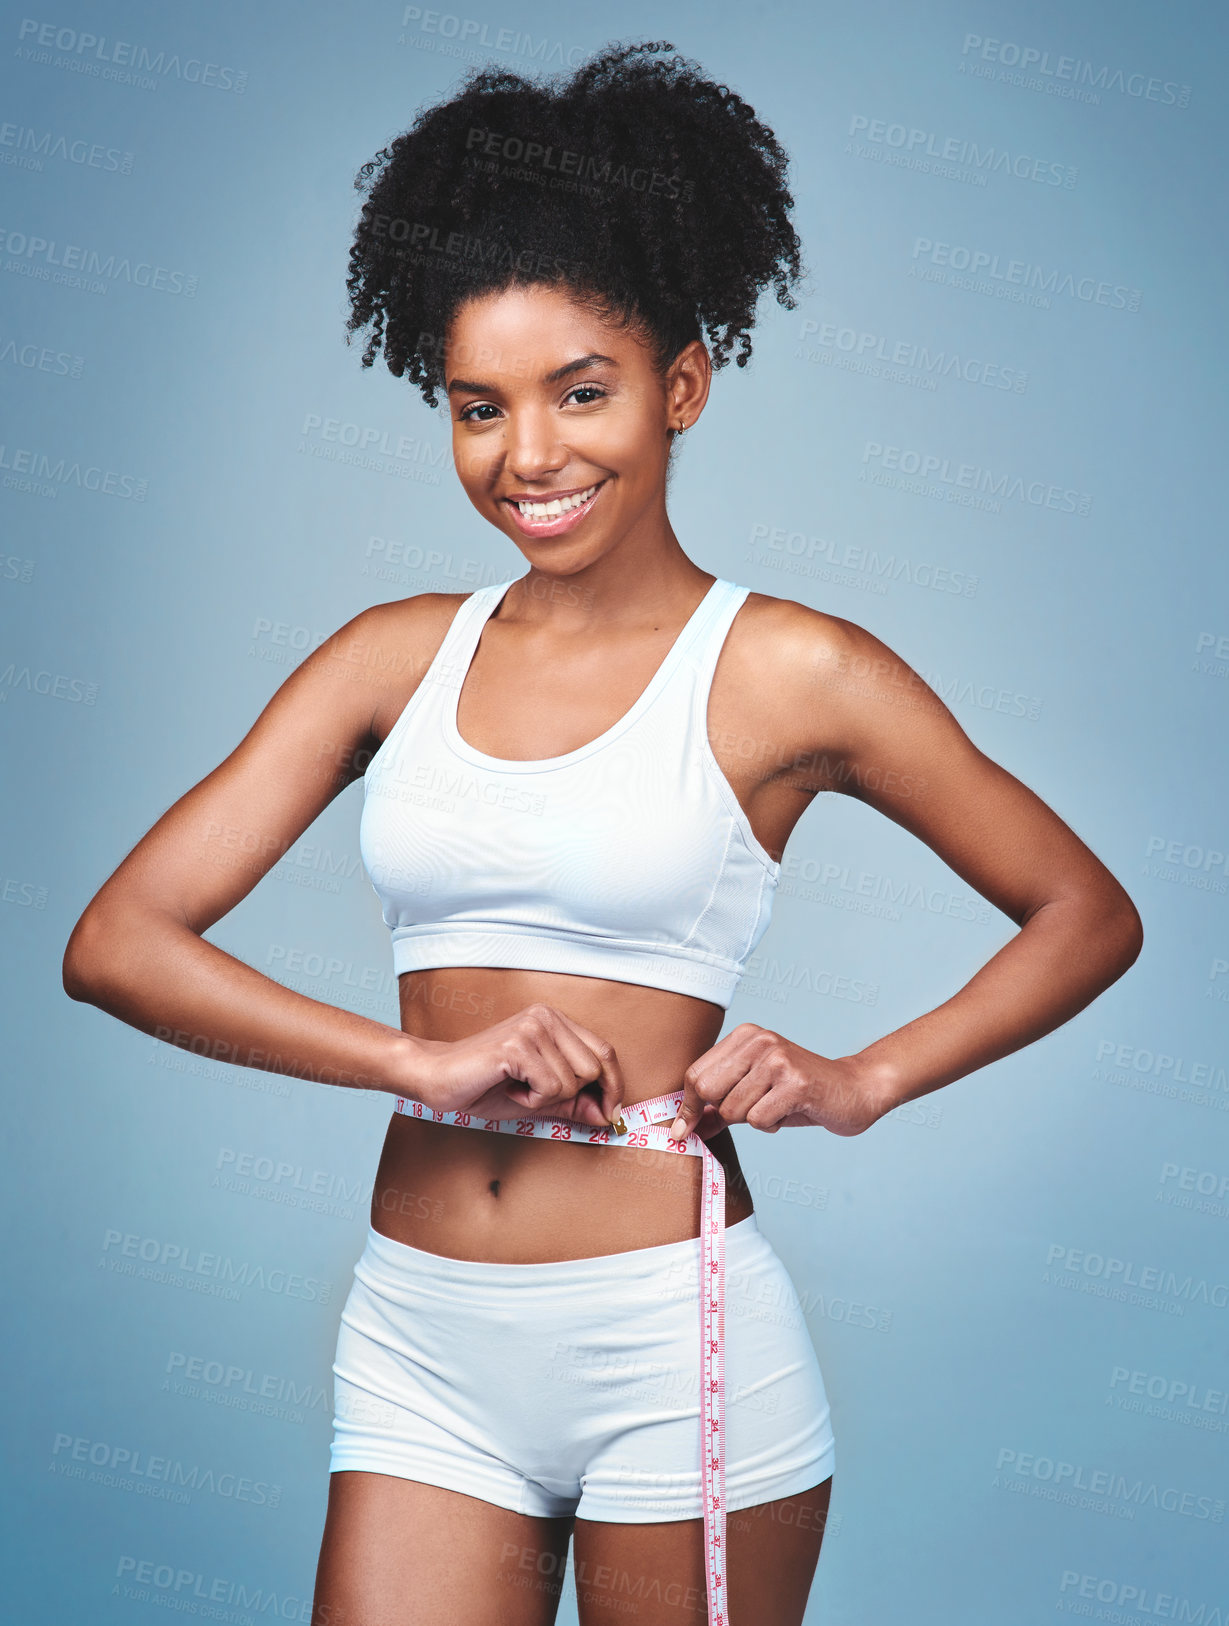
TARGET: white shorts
(572,1387)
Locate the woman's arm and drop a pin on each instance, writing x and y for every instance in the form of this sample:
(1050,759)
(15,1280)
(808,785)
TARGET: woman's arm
(139,953)
(877,732)
(138,950)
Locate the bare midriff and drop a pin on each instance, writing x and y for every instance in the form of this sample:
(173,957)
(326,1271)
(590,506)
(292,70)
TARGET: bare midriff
(473,1194)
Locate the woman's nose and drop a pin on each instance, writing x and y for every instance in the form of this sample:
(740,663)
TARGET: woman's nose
(534,451)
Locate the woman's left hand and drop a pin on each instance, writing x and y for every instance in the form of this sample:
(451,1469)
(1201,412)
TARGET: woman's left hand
(756,1077)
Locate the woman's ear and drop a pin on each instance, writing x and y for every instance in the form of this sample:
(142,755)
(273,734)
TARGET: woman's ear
(687,381)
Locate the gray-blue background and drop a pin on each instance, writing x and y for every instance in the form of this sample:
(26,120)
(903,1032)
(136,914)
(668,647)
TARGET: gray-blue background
(181,522)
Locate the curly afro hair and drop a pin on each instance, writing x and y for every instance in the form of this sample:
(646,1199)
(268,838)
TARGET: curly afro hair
(639,185)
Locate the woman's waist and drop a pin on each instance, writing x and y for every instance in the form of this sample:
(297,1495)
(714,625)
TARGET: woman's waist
(549,1148)
(465,1192)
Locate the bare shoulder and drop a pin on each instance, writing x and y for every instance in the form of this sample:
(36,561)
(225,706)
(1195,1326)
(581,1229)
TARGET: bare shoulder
(385,650)
(803,656)
(401,625)
(834,691)
(780,635)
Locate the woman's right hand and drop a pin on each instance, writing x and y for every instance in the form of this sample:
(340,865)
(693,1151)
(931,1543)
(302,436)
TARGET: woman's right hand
(536,1064)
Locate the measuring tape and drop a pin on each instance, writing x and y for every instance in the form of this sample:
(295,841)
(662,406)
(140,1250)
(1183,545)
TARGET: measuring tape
(636,1127)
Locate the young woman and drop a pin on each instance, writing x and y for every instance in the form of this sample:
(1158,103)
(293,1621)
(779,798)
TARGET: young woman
(578,787)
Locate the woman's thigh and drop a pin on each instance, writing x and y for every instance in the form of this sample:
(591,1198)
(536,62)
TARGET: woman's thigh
(399,1553)
(653,1574)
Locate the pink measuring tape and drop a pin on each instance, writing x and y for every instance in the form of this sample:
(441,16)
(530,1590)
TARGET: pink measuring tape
(636,1128)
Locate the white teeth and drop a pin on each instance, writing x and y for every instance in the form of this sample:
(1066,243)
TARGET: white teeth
(558,505)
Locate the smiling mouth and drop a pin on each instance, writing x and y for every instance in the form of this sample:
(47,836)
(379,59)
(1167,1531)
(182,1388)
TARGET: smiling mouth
(543,516)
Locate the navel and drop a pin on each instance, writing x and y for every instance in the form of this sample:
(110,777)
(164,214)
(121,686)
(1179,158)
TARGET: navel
(494,1188)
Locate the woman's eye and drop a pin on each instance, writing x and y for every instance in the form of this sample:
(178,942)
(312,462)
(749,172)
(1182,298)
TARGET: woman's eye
(484,411)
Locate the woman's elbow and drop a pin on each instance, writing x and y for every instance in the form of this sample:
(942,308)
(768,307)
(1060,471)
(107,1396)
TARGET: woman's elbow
(1122,932)
(86,956)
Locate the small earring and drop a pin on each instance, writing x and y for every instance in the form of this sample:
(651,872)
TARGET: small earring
(681,429)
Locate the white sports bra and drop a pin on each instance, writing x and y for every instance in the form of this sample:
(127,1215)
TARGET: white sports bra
(628,859)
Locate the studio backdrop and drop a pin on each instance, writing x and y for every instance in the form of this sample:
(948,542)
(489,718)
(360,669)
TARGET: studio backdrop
(989,433)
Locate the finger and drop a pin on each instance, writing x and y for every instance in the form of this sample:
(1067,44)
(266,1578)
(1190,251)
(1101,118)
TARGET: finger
(586,1108)
(734,1107)
(713,1075)
(558,1073)
(537,1077)
(775,1109)
(576,1055)
(584,1104)
(711,1123)
(691,1109)
(599,1109)
(581,1108)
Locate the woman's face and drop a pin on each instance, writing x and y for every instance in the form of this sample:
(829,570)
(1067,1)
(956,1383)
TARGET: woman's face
(552,405)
